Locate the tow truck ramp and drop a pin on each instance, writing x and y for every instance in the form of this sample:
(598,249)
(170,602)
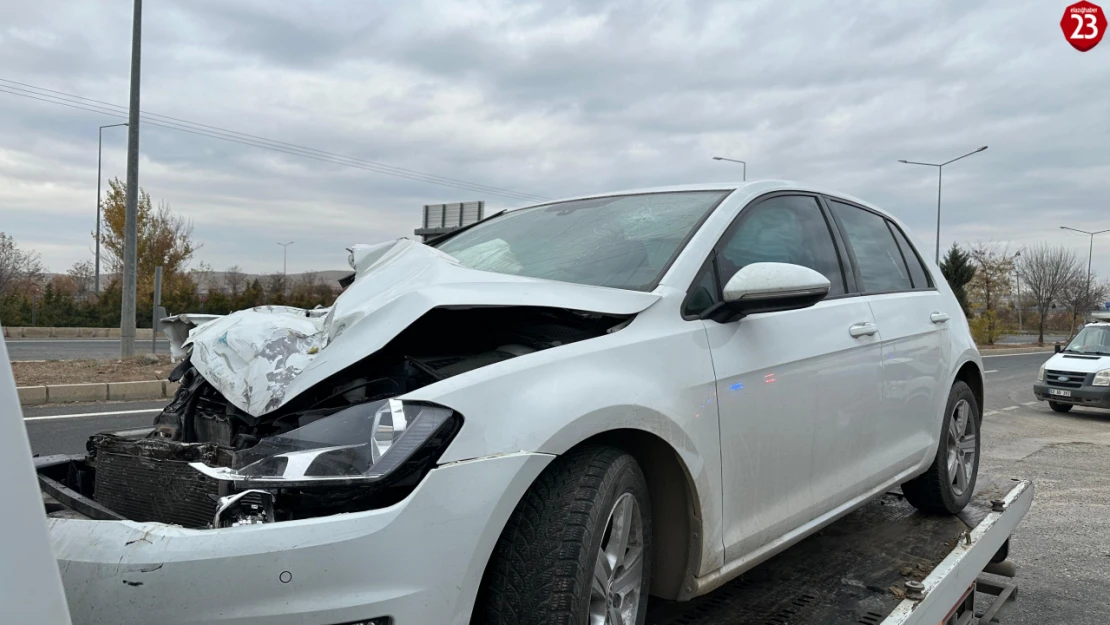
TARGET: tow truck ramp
(883,564)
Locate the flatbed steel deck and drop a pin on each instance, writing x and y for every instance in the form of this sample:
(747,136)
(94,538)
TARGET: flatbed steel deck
(854,572)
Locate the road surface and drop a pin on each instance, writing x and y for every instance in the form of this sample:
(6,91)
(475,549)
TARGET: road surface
(72,349)
(1062,549)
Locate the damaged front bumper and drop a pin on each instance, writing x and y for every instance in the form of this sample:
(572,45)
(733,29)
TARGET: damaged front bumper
(419,561)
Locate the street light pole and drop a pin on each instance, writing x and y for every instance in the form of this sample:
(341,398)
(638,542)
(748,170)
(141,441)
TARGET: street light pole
(131,217)
(940,180)
(99,149)
(1090,254)
(743,171)
(284,258)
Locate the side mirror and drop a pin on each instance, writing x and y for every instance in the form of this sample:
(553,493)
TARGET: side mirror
(771,287)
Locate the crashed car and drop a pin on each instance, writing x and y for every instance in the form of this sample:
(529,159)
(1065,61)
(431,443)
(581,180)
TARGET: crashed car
(544,417)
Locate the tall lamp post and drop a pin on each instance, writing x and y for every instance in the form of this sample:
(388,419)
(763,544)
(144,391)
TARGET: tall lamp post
(99,149)
(743,171)
(940,177)
(1090,253)
(284,256)
(1017,291)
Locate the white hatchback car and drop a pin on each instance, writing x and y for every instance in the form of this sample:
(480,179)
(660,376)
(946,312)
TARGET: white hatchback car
(544,417)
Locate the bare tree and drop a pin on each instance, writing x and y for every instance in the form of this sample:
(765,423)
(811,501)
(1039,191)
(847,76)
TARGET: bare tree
(1046,271)
(205,278)
(1080,298)
(83,275)
(235,279)
(17,267)
(274,285)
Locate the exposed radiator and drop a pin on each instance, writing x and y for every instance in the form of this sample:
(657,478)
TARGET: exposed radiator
(136,481)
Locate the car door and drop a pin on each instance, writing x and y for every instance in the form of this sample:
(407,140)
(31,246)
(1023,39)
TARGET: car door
(913,328)
(796,389)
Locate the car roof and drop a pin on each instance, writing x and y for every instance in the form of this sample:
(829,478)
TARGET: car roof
(741,191)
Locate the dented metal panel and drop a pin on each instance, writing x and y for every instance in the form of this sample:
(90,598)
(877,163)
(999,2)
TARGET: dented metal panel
(261,358)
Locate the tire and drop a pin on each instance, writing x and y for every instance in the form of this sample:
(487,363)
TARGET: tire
(947,486)
(1058,407)
(543,567)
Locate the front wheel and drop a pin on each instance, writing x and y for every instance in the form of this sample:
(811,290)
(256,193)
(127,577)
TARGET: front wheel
(948,484)
(577,549)
(1058,407)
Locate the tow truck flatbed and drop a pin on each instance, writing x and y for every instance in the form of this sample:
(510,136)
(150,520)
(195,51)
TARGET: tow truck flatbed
(855,571)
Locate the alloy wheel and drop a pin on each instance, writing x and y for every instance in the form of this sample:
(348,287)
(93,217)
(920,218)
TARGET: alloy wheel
(617,583)
(961,447)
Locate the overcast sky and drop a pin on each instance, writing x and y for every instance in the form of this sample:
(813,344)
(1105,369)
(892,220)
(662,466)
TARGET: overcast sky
(552,99)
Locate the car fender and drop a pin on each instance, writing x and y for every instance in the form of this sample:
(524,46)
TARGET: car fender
(572,393)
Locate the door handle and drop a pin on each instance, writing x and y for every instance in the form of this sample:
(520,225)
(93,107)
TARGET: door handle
(863,329)
(938,317)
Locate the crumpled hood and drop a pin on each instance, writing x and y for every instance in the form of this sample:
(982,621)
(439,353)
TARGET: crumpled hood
(261,358)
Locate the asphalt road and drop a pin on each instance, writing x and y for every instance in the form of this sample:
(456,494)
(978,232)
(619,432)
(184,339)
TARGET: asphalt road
(1062,548)
(72,349)
(64,429)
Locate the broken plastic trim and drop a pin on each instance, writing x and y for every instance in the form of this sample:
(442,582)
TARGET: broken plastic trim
(359,445)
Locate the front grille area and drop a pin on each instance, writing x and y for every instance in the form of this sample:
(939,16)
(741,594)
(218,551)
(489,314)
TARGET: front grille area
(151,480)
(1073,379)
(166,491)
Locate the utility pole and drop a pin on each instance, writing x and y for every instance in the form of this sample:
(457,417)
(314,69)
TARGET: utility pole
(99,150)
(284,257)
(154,311)
(130,236)
(940,180)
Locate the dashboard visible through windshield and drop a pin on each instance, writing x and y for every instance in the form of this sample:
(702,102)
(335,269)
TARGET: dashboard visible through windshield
(624,241)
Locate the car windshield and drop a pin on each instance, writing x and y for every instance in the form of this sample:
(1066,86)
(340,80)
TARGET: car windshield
(624,242)
(1091,340)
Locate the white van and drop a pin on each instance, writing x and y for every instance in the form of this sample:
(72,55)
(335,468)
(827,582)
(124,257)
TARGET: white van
(1080,374)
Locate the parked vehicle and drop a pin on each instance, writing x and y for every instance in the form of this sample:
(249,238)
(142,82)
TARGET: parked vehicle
(545,416)
(1080,374)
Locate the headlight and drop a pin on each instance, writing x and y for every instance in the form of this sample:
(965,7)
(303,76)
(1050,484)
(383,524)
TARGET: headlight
(1102,378)
(1040,374)
(358,445)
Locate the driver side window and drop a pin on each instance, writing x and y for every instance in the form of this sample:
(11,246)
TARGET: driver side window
(781,229)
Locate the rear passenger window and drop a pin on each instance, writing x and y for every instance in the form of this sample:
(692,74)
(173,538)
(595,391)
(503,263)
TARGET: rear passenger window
(881,266)
(918,273)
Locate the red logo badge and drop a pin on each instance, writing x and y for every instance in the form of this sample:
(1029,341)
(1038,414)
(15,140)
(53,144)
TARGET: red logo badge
(1083,24)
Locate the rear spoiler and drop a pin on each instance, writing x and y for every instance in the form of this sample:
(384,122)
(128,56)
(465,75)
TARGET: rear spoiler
(178,328)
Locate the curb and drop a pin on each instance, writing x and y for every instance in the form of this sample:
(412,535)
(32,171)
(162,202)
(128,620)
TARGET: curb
(44,332)
(1048,349)
(100,391)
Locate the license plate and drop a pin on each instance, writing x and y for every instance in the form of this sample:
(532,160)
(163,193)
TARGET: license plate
(1057,392)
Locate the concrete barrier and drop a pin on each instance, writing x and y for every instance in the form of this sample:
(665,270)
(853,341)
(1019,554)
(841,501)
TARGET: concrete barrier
(60,393)
(148,389)
(169,389)
(66,333)
(37,333)
(31,395)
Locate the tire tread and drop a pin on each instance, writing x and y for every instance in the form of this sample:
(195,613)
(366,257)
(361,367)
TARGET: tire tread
(535,572)
(930,491)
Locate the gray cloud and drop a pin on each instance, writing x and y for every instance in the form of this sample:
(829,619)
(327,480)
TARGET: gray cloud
(555,99)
